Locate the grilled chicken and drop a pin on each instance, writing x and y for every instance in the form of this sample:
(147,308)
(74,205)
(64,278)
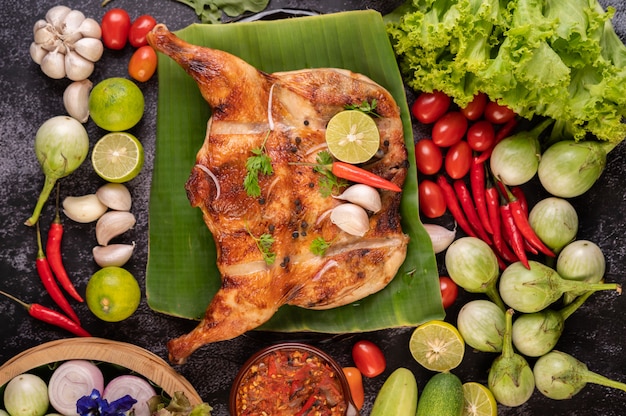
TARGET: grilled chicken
(286,115)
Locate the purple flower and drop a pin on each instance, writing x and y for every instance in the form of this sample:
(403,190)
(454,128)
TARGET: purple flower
(95,405)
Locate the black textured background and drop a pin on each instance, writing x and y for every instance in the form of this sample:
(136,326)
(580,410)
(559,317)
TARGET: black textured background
(28,98)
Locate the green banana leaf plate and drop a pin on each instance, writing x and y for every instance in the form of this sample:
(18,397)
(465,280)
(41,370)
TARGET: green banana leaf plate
(182,276)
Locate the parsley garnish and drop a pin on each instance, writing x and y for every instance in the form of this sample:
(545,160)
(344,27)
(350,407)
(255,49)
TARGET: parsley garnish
(328,182)
(264,244)
(319,246)
(366,107)
(260,163)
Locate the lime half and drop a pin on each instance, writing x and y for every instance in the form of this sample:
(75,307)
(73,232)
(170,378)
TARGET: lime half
(437,346)
(479,400)
(117,157)
(352,136)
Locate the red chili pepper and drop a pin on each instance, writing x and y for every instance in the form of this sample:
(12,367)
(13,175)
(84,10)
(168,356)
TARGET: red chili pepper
(513,234)
(477,182)
(521,221)
(465,198)
(53,252)
(453,205)
(307,405)
(47,278)
(502,133)
(51,317)
(493,206)
(519,194)
(356,174)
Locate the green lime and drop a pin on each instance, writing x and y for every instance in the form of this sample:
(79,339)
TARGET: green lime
(116,104)
(437,346)
(112,294)
(352,136)
(479,400)
(117,157)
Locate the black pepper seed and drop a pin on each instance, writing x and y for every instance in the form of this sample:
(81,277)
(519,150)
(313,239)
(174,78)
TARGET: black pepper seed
(311,185)
(262,201)
(298,140)
(271,227)
(304,224)
(295,234)
(306,122)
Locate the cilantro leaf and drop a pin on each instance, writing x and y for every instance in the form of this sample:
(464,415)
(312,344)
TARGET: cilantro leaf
(365,107)
(319,246)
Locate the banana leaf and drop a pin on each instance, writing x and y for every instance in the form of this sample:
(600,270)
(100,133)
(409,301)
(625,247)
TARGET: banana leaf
(181,273)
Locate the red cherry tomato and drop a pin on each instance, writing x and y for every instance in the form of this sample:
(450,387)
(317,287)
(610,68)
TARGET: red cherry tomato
(429,106)
(139,29)
(355,381)
(481,136)
(498,114)
(431,200)
(458,160)
(474,110)
(115,26)
(428,157)
(143,63)
(449,291)
(449,129)
(368,358)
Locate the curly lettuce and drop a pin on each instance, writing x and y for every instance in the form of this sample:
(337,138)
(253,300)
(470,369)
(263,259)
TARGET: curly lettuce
(555,58)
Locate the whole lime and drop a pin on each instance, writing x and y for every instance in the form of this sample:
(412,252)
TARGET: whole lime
(116,104)
(112,294)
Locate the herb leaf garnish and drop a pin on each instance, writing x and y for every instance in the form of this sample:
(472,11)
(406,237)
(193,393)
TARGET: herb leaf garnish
(259,163)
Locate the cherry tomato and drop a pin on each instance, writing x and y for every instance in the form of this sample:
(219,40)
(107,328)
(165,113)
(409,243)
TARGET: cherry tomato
(498,114)
(143,63)
(368,358)
(449,291)
(474,110)
(115,26)
(355,381)
(139,29)
(449,129)
(481,135)
(458,160)
(429,106)
(428,157)
(431,200)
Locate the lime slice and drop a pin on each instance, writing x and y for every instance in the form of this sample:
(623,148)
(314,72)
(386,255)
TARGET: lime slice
(479,400)
(117,157)
(352,136)
(437,346)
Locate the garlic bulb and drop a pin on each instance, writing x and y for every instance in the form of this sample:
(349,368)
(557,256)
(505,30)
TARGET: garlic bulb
(351,218)
(66,44)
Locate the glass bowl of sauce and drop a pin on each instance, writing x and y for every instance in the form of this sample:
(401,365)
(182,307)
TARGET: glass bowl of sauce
(291,379)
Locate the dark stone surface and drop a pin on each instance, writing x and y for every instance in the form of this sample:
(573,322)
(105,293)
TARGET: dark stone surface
(594,334)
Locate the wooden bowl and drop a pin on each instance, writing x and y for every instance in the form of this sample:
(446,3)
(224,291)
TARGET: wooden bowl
(123,354)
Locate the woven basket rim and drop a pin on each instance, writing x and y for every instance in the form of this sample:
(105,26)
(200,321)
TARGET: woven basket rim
(120,353)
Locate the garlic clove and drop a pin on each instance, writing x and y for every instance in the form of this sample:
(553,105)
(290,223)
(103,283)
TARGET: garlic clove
(363,195)
(115,196)
(76,99)
(72,22)
(89,48)
(440,236)
(37,53)
(90,28)
(45,35)
(56,15)
(39,24)
(112,224)
(53,64)
(83,209)
(351,218)
(77,68)
(113,254)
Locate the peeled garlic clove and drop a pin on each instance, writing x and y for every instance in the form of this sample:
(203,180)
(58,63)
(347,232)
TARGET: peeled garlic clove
(77,68)
(89,28)
(112,224)
(351,218)
(113,255)
(115,196)
(53,65)
(76,100)
(89,48)
(84,209)
(56,15)
(440,236)
(363,195)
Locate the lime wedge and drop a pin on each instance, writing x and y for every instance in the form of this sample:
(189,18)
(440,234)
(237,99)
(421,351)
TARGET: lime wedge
(479,400)
(437,346)
(117,157)
(352,136)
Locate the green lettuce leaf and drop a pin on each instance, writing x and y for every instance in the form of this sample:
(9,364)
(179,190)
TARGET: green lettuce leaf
(557,58)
